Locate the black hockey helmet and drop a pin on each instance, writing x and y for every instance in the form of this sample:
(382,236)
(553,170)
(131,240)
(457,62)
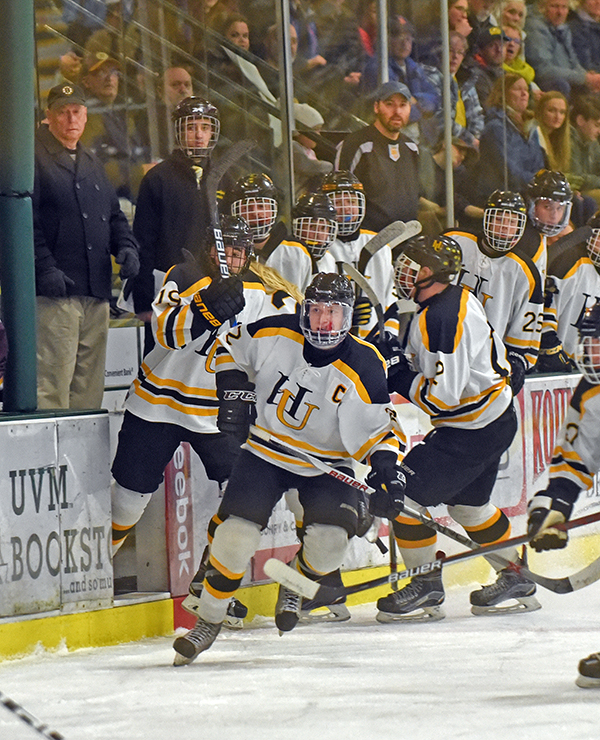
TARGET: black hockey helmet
(504,220)
(185,113)
(593,242)
(347,195)
(254,198)
(441,254)
(314,222)
(587,353)
(550,186)
(238,243)
(326,314)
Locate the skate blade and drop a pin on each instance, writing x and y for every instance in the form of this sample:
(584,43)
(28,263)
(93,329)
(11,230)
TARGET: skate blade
(191,604)
(427,614)
(180,660)
(523,604)
(334,613)
(586,682)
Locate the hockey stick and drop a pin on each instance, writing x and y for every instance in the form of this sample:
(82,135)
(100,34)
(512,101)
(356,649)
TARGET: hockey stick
(295,581)
(393,234)
(364,285)
(567,241)
(231,156)
(29,719)
(583,578)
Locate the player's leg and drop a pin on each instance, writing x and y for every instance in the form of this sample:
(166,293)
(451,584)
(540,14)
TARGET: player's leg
(144,448)
(253,489)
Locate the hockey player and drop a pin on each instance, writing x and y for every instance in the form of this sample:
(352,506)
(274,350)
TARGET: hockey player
(346,192)
(575,461)
(173,399)
(506,281)
(454,368)
(572,287)
(317,387)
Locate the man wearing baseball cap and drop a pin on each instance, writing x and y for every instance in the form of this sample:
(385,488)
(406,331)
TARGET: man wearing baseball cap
(488,61)
(384,159)
(77,225)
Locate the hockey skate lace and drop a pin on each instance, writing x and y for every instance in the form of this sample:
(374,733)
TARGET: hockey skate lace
(290,602)
(501,586)
(410,591)
(200,633)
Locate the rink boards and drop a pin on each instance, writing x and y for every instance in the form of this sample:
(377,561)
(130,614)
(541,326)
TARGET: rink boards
(56,577)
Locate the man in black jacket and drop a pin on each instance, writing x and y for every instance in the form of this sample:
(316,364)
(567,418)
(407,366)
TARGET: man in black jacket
(78,224)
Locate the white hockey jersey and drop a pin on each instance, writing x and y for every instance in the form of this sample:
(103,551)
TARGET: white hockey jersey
(293,261)
(510,290)
(338,412)
(461,365)
(573,286)
(576,455)
(176,380)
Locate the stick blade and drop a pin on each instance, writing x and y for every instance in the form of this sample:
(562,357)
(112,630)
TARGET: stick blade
(290,578)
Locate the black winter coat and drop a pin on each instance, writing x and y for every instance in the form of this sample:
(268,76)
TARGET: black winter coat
(77,220)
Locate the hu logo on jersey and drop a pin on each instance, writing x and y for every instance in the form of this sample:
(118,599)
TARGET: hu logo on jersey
(292,410)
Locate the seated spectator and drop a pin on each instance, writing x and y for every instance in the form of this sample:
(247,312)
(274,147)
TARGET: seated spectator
(585,32)
(367,25)
(427,47)
(467,113)
(432,176)
(511,13)
(309,55)
(487,62)
(514,58)
(552,116)
(509,141)
(550,51)
(173,86)
(308,170)
(584,170)
(401,68)
(83,17)
(113,132)
(481,17)
(117,38)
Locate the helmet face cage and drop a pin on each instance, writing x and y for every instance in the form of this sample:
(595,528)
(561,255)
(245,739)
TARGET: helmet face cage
(325,324)
(406,271)
(185,129)
(593,247)
(259,213)
(316,233)
(503,228)
(587,352)
(350,209)
(545,227)
(238,243)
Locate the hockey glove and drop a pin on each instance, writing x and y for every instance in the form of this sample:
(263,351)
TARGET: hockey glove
(361,314)
(365,518)
(53,283)
(400,374)
(389,483)
(518,369)
(220,301)
(544,513)
(237,404)
(552,357)
(129,260)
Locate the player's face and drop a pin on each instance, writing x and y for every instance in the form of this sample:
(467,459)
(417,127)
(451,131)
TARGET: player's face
(257,212)
(197,133)
(347,206)
(67,123)
(591,354)
(326,317)
(549,212)
(236,258)
(504,224)
(318,232)
(393,114)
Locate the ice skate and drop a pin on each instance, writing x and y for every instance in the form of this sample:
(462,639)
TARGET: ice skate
(189,646)
(424,593)
(589,672)
(508,585)
(315,611)
(287,610)
(236,611)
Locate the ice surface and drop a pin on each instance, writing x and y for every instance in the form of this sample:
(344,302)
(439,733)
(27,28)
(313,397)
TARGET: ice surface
(503,677)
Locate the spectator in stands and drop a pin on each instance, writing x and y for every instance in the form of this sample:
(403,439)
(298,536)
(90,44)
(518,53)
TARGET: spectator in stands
(77,225)
(83,17)
(552,116)
(509,140)
(427,46)
(488,60)
(309,55)
(401,68)
(272,56)
(384,159)
(584,171)
(367,25)
(550,51)
(514,58)
(511,13)
(114,133)
(308,170)
(467,113)
(117,38)
(585,31)
(174,85)
(481,17)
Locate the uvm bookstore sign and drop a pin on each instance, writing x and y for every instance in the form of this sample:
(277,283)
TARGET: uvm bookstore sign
(55,524)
